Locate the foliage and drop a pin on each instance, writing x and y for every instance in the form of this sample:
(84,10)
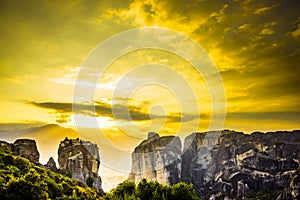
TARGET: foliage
(68,173)
(20,179)
(89,181)
(152,190)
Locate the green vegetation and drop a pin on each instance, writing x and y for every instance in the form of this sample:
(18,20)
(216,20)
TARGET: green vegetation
(89,181)
(67,173)
(20,179)
(152,190)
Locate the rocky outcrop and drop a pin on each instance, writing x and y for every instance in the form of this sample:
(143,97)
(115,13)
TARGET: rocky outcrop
(197,156)
(235,163)
(81,158)
(25,148)
(223,163)
(157,158)
(6,145)
(51,165)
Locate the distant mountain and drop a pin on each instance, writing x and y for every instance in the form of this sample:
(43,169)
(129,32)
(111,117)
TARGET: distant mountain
(11,131)
(47,137)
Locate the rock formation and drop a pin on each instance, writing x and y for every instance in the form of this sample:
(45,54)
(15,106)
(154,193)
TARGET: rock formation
(81,158)
(222,163)
(157,158)
(6,145)
(25,148)
(236,163)
(51,165)
(197,156)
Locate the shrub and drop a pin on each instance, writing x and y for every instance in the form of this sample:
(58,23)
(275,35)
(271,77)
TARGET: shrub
(89,181)
(8,159)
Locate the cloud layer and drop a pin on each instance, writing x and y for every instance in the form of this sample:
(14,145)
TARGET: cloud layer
(117,111)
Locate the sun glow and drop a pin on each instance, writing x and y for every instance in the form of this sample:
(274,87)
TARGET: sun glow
(86,121)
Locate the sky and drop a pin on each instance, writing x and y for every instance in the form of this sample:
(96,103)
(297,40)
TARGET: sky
(254,45)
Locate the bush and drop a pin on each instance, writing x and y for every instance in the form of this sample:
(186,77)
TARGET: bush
(20,179)
(125,189)
(89,181)
(152,190)
(183,191)
(22,163)
(8,159)
(23,189)
(54,189)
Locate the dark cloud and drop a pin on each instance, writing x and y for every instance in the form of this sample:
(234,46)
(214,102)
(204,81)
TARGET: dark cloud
(59,107)
(178,117)
(116,111)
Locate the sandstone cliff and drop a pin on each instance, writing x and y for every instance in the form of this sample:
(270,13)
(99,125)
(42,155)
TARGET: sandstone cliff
(51,165)
(222,163)
(25,148)
(236,163)
(81,158)
(157,158)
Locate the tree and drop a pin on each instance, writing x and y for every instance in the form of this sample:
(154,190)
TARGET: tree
(183,191)
(21,179)
(151,190)
(89,181)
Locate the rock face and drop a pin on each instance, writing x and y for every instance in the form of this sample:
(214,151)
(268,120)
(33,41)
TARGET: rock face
(236,163)
(25,148)
(6,145)
(81,158)
(51,165)
(157,158)
(197,156)
(223,163)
